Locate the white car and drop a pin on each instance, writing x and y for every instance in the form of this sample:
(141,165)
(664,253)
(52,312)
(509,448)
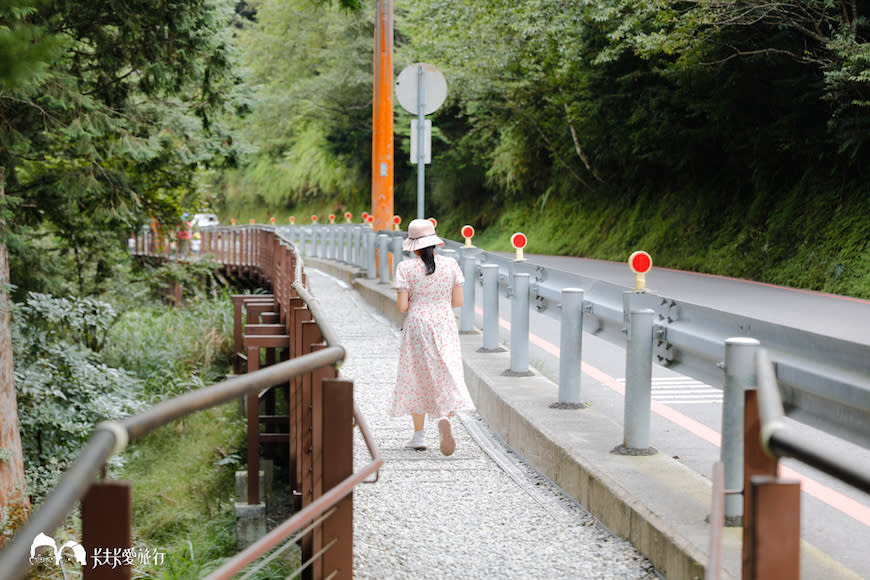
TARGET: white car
(202,220)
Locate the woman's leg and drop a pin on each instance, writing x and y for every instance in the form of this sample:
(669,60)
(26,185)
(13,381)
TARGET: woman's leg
(419,420)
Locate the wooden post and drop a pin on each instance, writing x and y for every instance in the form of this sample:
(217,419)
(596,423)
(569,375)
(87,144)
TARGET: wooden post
(776,529)
(337,445)
(107,515)
(310,336)
(253,416)
(755,463)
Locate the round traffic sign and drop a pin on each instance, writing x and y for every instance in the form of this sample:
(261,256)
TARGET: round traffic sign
(467,231)
(348,215)
(434,88)
(292,220)
(434,222)
(314,218)
(397,220)
(640,262)
(365,216)
(519,240)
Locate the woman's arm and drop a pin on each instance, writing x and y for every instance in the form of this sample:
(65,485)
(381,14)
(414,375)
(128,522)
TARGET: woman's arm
(402,300)
(458,298)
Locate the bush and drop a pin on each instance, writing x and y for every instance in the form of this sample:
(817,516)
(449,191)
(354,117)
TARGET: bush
(174,350)
(64,388)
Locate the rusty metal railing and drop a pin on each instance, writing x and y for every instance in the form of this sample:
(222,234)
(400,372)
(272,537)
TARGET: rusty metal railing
(283,533)
(326,505)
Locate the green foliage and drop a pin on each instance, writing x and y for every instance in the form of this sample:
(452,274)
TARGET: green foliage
(173,350)
(63,386)
(183,502)
(112,125)
(691,128)
(306,71)
(184,489)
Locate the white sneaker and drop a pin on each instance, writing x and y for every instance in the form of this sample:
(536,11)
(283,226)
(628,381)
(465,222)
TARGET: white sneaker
(448,443)
(418,441)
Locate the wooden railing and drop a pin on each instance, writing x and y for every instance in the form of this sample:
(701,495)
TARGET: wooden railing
(301,357)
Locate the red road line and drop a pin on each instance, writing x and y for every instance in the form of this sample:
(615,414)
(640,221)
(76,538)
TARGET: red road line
(823,493)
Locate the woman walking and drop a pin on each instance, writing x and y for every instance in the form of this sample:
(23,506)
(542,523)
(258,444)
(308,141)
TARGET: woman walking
(430,378)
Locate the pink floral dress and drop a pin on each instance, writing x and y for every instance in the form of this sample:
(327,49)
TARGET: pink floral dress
(430,378)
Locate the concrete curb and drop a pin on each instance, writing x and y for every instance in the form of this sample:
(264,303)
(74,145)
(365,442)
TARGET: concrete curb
(655,502)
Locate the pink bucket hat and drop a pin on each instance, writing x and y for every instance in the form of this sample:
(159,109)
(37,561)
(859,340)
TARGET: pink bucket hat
(421,234)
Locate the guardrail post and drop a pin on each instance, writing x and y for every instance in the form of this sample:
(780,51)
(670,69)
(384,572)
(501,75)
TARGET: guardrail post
(371,263)
(107,514)
(303,234)
(356,246)
(398,255)
(520,326)
(311,336)
(776,525)
(571,346)
(252,411)
(490,308)
(383,259)
(756,462)
(466,319)
(332,250)
(638,379)
(341,256)
(739,373)
(338,447)
(319,241)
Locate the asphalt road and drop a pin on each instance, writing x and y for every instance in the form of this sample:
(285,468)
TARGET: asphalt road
(687,415)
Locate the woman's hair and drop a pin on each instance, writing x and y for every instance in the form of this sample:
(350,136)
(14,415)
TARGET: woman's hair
(427,254)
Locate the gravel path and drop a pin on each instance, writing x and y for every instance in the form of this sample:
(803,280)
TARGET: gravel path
(481,513)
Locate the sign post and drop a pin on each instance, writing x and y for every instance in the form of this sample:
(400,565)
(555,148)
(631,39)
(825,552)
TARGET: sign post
(421,89)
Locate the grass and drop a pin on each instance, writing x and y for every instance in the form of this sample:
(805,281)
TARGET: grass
(183,495)
(183,487)
(183,474)
(174,350)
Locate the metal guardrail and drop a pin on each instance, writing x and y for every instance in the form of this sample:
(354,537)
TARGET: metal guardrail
(824,381)
(780,440)
(818,380)
(111,437)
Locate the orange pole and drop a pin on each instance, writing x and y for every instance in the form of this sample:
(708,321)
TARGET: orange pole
(382,117)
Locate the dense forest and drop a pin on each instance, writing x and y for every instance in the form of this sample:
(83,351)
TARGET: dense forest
(726,137)
(729,137)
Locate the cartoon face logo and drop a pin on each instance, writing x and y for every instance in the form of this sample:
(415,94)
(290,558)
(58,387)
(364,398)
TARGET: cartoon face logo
(43,540)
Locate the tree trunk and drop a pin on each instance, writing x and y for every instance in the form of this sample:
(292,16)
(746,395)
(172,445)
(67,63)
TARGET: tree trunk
(14,503)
